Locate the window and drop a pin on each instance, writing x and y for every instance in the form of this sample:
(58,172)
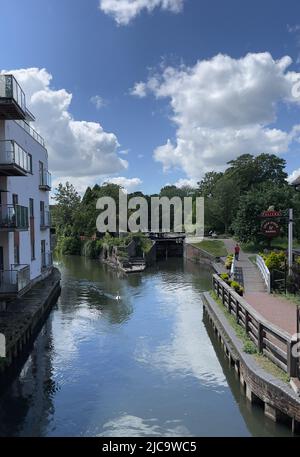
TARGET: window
(15,199)
(30,163)
(31,207)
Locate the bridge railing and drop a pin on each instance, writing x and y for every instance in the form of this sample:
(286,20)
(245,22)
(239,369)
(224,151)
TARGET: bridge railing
(276,344)
(265,272)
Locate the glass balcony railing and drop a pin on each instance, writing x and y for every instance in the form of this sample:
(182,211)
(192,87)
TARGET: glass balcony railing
(31,132)
(13,217)
(45,219)
(10,91)
(13,157)
(14,280)
(47,260)
(45,180)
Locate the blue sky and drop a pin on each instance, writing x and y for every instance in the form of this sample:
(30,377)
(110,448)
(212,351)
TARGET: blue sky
(88,53)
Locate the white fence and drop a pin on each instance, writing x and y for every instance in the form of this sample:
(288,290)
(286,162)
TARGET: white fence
(265,272)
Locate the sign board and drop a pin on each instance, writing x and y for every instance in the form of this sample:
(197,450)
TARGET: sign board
(268,214)
(271,229)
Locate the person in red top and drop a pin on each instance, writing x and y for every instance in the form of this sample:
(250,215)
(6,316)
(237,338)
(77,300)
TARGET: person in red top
(237,250)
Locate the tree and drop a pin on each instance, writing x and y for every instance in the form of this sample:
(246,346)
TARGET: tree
(67,205)
(207,185)
(247,224)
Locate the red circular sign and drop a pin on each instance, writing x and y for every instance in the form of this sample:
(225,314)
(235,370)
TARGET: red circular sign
(271,228)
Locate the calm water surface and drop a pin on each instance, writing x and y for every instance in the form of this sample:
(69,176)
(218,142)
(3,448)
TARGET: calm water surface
(129,356)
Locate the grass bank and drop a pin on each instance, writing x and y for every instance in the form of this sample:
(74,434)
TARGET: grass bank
(248,345)
(214,247)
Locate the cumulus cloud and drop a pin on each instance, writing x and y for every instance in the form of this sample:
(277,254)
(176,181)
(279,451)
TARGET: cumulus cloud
(129,184)
(124,11)
(184,182)
(82,182)
(224,107)
(77,148)
(139,90)
(98,101)
(294,175)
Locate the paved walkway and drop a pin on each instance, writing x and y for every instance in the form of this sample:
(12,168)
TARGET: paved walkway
(252,278)
(277,310)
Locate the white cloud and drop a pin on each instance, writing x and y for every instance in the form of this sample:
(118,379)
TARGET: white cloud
(294,175)
(77,149)
(124,11)
(224,107)
(129,184)
(139,90)
(98,101)
(183,182)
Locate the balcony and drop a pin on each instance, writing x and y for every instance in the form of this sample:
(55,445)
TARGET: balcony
(45,180)
(12,99)
(31,132)
(15,280)
(46,260)
(13,218)
(14,161)
(45,221)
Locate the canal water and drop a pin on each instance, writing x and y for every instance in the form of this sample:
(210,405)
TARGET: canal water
(129,356)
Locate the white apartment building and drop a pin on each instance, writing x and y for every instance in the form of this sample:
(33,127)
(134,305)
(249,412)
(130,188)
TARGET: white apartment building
(25,255)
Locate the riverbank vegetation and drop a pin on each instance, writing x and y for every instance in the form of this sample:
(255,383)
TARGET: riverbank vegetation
(234,201)
(214,247)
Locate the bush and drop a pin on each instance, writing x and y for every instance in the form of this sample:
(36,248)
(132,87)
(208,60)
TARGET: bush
(228,262)
(276,261)
(237,287)
(92,249)
(69,245)
(224,276)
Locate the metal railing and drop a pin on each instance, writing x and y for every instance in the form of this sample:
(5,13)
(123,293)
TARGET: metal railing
(45,179)
(265,272)
(46,260)
(31,132)
(45,220)
(274,343)
(13,217)
(15,279)
(12,154)
(10,89)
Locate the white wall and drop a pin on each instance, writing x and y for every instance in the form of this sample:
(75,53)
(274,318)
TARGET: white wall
(28,187)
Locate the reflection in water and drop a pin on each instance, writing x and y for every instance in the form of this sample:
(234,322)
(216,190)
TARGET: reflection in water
(128,356)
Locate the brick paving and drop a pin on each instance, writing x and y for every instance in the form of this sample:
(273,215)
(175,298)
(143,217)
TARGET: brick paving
(279,311)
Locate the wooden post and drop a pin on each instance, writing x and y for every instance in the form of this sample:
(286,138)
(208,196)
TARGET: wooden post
(246,321)
(292,362)
(237,307)
(223,295)
(260,337)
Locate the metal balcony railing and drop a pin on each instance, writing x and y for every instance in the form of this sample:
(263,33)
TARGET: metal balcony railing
(12,98)
(13,159)
(31,132)
(45,221)
(13,217)
(45,180)
(47,260)
(14,280)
